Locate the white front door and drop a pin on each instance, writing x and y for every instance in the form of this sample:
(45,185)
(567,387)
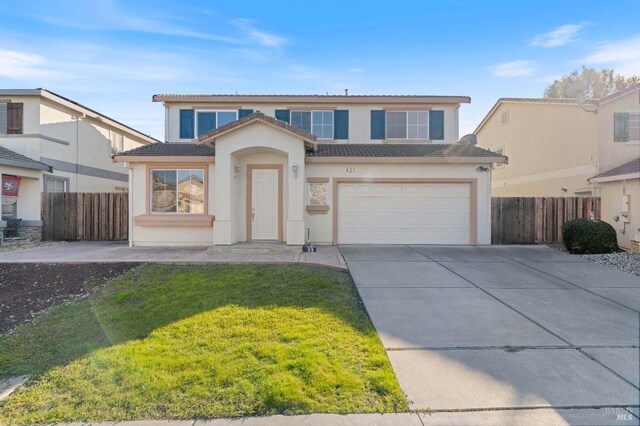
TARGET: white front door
(264,204)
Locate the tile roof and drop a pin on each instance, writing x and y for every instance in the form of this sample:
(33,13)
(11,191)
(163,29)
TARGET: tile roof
(312,98)
(259,115)
(629,168)
(401,150)
(170,149)
(10,158)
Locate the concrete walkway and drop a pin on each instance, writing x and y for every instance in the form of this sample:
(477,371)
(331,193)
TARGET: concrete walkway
(477,328)
(542,417)
(96,251)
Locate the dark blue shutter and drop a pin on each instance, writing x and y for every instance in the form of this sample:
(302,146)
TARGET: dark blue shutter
(186,123)
(244,112)
(621,127)
(206,122)
(436,125)
(283,115)
(341,124)
(377,124)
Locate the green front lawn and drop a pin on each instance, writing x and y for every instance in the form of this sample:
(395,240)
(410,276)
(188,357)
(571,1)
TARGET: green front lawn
(170,342)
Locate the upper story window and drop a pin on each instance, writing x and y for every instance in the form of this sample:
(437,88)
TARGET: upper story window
(410,124)
(117,143)
(319,123)
(407,125)
(11,118)
(206,121)
(626,127)
(177,191)
(55,184)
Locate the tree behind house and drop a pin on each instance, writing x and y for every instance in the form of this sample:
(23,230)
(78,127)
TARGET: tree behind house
(598,83)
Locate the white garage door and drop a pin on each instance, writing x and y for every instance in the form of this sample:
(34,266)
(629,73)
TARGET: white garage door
(403,213)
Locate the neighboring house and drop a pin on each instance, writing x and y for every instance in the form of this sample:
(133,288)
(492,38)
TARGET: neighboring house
(335,169)
(50,143)
(557,148)
(618,179)
(552,145)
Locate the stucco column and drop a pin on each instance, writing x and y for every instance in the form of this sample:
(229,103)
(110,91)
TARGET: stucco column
(295,216)
(222,225)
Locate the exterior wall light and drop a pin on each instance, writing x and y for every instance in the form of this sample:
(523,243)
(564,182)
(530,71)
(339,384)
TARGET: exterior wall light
(236,170)
(295,169)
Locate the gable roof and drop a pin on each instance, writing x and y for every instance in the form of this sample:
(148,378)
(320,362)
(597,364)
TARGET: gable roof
(77,106)
(554,101)
(168,152)
(619,94)
(628,170)
(316,99)
(258,117)
(10,158)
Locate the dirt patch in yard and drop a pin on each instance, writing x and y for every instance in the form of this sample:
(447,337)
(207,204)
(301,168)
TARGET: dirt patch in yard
(29,288)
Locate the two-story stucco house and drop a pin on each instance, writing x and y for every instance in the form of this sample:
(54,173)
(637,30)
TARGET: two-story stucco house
(330,169)
(618,179)
(51,143)
(552,145)
(557,148)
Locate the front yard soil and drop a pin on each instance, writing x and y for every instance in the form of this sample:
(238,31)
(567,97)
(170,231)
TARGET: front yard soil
(27,288)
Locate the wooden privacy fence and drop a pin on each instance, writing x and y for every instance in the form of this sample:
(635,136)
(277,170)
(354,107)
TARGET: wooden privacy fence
(529,220)
(70,216)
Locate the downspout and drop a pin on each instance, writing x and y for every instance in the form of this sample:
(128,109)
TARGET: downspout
(130,202)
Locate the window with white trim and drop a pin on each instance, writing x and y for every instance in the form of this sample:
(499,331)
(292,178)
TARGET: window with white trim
(407,124)
(634,127)
(177,191)
(500,152)
(117,143)
(55,184)
(319,123)
(208,120)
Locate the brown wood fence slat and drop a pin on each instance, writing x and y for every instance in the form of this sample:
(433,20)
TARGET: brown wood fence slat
(529,220)
(68,216)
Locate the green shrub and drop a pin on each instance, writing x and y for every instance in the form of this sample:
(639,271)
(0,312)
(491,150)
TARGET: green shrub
(586,236)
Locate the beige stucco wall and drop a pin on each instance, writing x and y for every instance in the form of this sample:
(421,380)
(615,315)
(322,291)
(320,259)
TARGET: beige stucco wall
(549,146)
(613,154)
(359,119)
(166,235)
(67,139)
(28,202)
(321,226)
(611,195)
(257,143)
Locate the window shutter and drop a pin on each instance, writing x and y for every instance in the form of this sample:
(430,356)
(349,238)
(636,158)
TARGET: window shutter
(244,112)
(377,124)
(436,125)
(186,123)
(3,118)
(14,118)
(283,115)
(621,127)
(341,124)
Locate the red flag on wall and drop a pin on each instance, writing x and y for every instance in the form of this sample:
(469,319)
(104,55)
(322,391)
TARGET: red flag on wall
(10,186)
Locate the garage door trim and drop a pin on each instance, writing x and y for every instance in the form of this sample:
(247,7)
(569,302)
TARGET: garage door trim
(473,195)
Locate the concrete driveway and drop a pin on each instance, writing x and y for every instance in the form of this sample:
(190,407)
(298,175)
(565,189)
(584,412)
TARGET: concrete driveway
(501,327)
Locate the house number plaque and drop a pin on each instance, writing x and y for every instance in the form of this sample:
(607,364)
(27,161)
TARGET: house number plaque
(349,170)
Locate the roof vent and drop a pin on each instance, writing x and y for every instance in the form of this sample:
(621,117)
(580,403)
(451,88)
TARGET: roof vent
(469,139)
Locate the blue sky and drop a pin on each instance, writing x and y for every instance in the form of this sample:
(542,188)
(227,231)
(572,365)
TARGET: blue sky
(114,55)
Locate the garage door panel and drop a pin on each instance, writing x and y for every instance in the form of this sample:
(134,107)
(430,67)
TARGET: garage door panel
(397,213)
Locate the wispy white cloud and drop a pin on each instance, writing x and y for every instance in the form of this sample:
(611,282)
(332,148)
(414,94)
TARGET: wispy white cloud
(259,36)
(560,36)
(522,68)
(621,55)
(355,70)
(18,65)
